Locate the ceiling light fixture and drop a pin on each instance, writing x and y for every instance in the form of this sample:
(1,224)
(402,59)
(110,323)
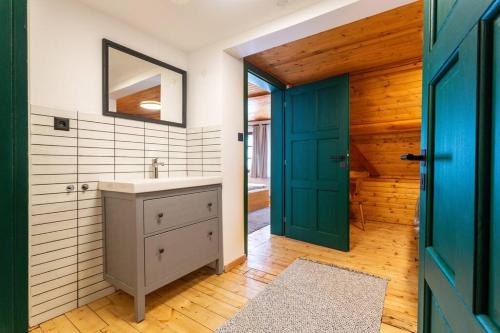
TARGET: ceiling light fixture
(150,105)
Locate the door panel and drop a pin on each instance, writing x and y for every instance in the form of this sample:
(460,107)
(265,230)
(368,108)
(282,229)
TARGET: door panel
(449,253)
(316,175)
(454,161)
(459,276)
(447,24)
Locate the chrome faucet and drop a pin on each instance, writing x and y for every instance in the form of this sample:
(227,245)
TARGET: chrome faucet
(155,165)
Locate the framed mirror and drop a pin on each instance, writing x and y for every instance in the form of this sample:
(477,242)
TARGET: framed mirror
(136,86)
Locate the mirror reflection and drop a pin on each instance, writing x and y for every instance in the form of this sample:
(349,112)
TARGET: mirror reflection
(142,87)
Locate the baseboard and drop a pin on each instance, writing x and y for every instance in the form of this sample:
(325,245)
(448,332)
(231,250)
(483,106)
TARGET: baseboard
(235,263)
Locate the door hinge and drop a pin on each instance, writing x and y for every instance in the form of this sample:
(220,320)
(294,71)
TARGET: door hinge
(284,219)
(284,163)
(423,181)
(284,104)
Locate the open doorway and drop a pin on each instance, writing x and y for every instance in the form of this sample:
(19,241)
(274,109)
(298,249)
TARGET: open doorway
(263,176)
(259,159)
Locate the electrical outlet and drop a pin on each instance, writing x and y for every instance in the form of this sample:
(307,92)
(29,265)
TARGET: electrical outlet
(61,124)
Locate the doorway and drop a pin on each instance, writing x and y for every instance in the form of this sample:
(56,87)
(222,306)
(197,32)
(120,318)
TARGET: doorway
(259,159)
(263,168)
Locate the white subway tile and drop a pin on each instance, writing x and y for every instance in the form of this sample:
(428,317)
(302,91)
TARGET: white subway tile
(93,143)
(52,112)
(156,134)
(96,118)
(128,122)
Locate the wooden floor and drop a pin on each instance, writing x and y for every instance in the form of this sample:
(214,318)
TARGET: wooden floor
(202,301)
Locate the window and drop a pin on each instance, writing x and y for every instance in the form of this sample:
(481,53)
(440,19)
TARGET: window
(250,151)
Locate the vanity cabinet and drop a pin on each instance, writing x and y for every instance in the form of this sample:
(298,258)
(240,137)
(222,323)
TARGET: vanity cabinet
(154,238)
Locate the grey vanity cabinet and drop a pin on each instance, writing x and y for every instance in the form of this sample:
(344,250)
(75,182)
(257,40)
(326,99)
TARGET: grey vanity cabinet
(152,239)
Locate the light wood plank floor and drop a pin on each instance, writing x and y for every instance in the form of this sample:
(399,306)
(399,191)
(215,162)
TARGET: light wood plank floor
(202,301)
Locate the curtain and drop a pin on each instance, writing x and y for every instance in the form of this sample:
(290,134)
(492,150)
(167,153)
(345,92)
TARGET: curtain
(260,151)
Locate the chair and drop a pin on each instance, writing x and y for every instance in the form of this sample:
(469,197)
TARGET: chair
(356,178)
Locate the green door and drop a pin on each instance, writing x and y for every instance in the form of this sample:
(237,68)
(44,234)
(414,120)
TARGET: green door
(459,240)
(13,166)
(316,163)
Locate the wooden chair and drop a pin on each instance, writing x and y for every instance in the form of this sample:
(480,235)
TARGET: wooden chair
(356,178)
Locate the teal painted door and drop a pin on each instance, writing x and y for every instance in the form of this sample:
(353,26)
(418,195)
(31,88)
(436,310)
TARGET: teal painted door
(459,240)
(13,166)
(317,170)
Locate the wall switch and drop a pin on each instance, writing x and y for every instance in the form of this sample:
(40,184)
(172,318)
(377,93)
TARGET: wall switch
(240,137)
(61,124)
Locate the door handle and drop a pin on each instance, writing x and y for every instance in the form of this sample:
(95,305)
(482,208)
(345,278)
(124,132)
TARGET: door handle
(337,158)
(412,157)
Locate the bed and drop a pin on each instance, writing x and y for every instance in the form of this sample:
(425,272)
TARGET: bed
(258,196)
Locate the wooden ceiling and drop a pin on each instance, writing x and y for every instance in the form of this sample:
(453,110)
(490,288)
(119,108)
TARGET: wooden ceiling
(259,108)
(394,36)
(131,104)
(255,91)
(259,103)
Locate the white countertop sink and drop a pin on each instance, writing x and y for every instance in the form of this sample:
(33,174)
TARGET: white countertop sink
(152,185)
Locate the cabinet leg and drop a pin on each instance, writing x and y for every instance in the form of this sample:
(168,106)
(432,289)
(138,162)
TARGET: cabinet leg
(140,307)
(219,267)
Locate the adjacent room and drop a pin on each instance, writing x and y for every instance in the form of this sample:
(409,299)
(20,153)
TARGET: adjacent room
(259,158)
(250,166)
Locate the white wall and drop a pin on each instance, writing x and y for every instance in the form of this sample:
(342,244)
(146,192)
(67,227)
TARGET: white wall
(65,53)
(216,98)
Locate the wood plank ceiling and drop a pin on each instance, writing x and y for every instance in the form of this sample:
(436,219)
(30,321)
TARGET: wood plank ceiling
(390,37)
(259,103)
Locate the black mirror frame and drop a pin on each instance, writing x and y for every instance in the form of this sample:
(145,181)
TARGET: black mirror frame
(106,44)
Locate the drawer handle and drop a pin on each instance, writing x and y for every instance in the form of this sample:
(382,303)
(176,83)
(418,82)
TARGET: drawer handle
(160,216)
(161,251)
(210,234)
(210,205)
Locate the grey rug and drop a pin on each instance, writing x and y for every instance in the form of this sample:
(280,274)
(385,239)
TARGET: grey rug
(259,219)
(314,297)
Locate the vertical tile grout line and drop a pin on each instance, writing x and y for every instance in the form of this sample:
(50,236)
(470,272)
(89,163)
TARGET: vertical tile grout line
(202,151)
(77,210)
(114,148)
(144,150)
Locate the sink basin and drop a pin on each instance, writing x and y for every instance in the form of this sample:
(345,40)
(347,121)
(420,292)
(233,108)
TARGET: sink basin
(152,185)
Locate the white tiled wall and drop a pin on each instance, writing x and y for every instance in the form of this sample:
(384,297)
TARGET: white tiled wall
(66,227)
(204,151)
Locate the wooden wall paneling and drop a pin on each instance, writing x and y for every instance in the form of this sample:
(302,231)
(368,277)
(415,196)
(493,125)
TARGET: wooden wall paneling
(388,200)
(384,151)
(357,155)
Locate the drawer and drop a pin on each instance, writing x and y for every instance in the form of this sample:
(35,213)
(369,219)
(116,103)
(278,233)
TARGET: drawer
(175,211)
(173,254)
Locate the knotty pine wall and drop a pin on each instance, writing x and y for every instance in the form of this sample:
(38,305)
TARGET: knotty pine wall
(385,123)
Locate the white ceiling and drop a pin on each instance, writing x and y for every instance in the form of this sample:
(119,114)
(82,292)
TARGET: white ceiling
(197,23)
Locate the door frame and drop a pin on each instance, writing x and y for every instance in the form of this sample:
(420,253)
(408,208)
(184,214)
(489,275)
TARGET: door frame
(277,89)
(14,169)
